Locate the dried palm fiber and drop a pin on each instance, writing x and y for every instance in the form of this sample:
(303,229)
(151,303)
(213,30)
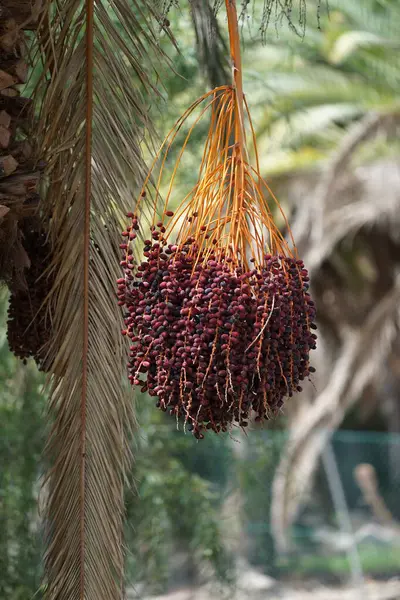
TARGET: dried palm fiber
(28,328)
(23,250)
(217,306)
(19,175)
(97,59)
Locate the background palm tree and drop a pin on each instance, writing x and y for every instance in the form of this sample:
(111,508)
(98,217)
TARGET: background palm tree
(330,133)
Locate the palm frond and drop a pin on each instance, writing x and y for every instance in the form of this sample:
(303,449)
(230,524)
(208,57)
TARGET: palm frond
(334,66)
(93,103)
(369,16)
(350,41)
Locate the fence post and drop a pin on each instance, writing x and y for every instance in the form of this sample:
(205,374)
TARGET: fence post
(342,511)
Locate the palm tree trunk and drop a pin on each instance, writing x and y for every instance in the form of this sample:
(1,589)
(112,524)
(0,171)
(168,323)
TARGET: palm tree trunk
(19,176)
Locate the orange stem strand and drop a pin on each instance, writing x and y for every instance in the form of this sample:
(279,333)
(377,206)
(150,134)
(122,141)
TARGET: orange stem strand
(227,209)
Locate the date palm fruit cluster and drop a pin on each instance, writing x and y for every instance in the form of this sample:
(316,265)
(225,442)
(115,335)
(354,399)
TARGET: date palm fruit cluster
(217,307)
(212,340)
(28,329)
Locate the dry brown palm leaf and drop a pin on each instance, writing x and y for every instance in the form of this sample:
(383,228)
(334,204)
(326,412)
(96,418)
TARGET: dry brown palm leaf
(360,209)
(317,229)
(93,116)
(351,213)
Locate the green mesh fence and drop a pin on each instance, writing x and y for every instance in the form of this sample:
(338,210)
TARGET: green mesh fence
(326,543)
(337,533)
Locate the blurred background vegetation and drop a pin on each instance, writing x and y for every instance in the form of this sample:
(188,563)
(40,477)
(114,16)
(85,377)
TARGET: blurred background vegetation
(326,109)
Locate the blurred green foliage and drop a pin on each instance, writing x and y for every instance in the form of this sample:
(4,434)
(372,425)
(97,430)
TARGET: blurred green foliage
(304,93)
(255,473)
(21,445)
(176,508)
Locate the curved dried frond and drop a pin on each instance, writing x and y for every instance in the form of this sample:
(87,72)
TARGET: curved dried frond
(345,221)
(93,116)
(327,221)
(360,133)
(352,216)
(362,356)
